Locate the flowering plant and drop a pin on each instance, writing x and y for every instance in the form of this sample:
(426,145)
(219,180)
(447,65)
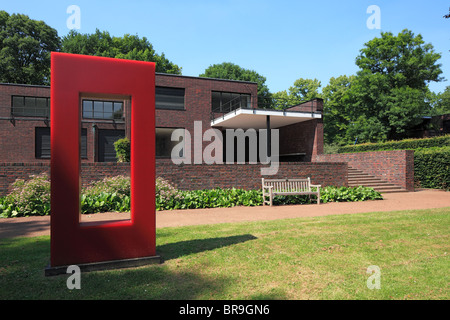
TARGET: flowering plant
(29,198)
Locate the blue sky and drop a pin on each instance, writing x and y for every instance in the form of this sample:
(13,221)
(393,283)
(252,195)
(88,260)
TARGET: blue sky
(281,40)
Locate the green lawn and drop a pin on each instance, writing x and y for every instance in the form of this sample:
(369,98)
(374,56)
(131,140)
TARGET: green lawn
(306,258)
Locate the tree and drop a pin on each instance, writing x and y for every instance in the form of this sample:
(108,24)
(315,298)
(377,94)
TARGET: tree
(335,114)
(25,47)
(440,102)
(302,90)
(231,71)
(404,59)
(390,93)
(130,47)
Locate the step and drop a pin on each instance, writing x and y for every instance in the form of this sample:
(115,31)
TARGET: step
(355,170)
(361,176)
(373,185)
(367,179)
(364,179)
(391,190)
(357,177)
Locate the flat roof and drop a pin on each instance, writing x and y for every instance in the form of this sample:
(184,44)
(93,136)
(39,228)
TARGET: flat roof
(256,118)
(24,85)
(156,73)
(202,78)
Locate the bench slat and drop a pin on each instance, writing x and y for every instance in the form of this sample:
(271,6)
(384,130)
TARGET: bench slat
(273,187)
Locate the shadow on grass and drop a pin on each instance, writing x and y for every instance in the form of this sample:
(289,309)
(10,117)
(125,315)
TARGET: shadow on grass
(183,248)
(23,227)
(22,262)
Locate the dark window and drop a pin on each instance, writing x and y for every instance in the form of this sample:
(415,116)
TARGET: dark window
(30,106)
(106,139)
(103,110)
(42,146)
(228,101)
(164,143)
(169,98)
(446,126)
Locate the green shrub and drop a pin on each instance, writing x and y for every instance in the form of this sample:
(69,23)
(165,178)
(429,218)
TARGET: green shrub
(123,150)
(219,198)
(28,198)
(119,184)
(332,194)
(407,144)
(7,208)
(166,196)
(113,195)
(432,168)
(105,202)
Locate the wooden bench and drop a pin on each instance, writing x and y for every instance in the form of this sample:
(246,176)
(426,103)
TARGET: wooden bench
(273,187)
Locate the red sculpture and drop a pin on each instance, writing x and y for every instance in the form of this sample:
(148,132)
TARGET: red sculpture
(72,242)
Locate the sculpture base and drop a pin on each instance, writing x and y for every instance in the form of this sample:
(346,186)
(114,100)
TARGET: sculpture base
(105,265)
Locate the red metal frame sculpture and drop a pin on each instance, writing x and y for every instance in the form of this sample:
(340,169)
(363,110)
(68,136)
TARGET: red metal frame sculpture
(72,242)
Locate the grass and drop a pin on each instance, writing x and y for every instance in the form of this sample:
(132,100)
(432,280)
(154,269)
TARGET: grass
(305,258)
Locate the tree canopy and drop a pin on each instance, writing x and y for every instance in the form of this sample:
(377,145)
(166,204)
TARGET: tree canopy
(440,102)
(336,116)
(302,90)
(388,95)
(231,71)
(101,43)
(25,47)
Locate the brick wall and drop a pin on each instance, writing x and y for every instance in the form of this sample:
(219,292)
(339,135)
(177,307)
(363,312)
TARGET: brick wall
(197,101)
(192,177)
(396,167)
(17,139)
(9,172)
(304,137)
(248,176)
(314,105)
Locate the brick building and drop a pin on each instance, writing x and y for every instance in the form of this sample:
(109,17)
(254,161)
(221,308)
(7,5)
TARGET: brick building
(180,102)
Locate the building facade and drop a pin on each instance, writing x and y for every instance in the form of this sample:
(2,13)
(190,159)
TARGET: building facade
(182,102)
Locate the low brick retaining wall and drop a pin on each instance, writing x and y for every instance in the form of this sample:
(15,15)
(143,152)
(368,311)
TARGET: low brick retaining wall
(190,177)
(396,166)
(248,176)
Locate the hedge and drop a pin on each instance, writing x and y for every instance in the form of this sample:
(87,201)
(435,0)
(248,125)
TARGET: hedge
(431,158)
(432,168)
(407,144)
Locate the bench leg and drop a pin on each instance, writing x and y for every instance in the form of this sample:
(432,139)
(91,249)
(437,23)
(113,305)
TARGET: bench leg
(318,197)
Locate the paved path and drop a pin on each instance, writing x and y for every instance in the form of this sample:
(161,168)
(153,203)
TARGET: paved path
(422,199)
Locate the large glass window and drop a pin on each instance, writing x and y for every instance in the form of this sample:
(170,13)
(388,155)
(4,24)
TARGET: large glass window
(169,98)
(30,106)
(228,101)
(106,110)
(164,143)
